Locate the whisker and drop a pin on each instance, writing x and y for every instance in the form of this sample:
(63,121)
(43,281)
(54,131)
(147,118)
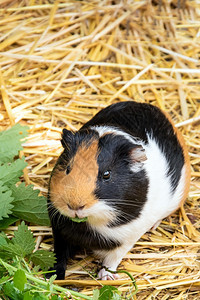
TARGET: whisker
(119,201)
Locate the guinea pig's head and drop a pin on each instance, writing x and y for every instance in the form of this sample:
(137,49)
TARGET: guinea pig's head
(100,177)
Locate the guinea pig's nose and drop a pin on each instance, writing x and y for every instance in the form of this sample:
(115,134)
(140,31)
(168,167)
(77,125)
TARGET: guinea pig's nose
(75,207)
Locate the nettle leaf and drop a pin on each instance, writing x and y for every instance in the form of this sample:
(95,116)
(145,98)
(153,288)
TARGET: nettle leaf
(22,244)
(23,238)
(10,172)
(10,142)
(45,259)
(10,250)
(29,206)
(5,201)
(7,221)
(95,295)
(109,292)
(7,249)
(3,239)
(19,279)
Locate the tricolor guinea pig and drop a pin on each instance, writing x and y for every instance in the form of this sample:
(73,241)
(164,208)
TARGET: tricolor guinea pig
(124,170)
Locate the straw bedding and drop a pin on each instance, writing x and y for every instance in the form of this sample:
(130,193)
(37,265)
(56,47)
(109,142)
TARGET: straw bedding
(61,62)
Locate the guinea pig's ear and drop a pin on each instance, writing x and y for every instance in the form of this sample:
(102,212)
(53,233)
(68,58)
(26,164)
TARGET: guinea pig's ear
(138,156)
(67,138)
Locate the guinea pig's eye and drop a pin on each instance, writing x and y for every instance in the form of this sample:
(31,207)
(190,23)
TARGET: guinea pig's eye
(106,175)
(68,170)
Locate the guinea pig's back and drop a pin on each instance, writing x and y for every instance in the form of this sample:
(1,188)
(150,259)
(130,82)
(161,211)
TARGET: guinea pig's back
(167,165)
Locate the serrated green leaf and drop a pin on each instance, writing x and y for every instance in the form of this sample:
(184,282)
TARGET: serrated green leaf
(23,238)
(51,279)
(7,222)
(5,201)
(45,259)
(95,294)
(3,239)
(19,279)
(108,292)
(10,172)
(10,142)
(29,206)
(10,250)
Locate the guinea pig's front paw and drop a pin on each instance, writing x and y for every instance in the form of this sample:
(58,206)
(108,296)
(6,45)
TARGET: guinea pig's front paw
(106,275)
(58,270)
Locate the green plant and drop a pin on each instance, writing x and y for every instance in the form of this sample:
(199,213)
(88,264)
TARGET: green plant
(18,279)
(18,201)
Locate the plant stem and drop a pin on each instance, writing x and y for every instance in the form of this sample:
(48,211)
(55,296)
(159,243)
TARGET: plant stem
(45,283)
(131,277)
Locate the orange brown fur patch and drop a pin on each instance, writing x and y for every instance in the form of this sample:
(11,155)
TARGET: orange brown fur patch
(186,159)
(77,188)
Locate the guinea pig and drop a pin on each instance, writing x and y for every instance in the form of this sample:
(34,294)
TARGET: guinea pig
(125,170)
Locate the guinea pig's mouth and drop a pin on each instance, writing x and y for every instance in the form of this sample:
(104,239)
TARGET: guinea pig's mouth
(80,214)
(97,214)
(100,214)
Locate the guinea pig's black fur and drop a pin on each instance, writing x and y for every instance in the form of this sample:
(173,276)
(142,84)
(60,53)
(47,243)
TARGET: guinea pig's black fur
(120,145)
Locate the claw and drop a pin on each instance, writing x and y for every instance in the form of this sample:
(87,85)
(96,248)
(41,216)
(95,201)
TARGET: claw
(106,275)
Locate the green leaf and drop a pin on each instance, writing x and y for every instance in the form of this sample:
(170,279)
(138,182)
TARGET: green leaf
(45,259)
(55,297)
(10,142)
(7,222)
(29,206)
(28,296)
(109,292)
(23,238)
(5,201)
(51,280)
(116,296)
(8,249)
(19,279)
(78,220)
(40,296)
(9,291)
(95,294)
(4,279)
(6,266)
(10,173)
(3,239)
